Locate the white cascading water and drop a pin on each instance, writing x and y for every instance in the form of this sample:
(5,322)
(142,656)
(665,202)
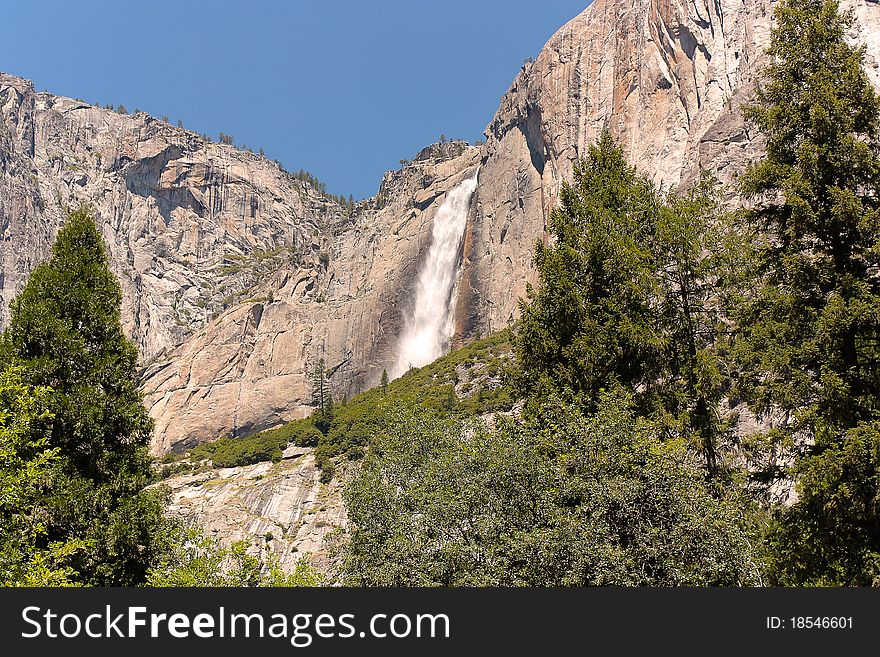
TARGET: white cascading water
(428,331)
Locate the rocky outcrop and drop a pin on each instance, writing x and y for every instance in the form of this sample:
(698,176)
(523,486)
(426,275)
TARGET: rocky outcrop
(237,276)
(190,225)
(282,508)
(250,368)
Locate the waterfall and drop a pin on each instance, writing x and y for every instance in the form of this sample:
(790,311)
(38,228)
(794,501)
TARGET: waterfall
(428,330)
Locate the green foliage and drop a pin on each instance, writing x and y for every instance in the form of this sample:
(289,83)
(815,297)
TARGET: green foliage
(808,344)
(431,387)
(831,535)
(698,260)
(350,428)
(197,560)
(65,335)
(263,446)
(630,293)
(809,333)
(259,262)
(561,499)
(26,462)
(347,204)
(589,323)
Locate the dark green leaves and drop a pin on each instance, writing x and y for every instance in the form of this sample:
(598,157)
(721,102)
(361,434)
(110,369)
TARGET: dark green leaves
(65,334)
(808,323)
(560,499)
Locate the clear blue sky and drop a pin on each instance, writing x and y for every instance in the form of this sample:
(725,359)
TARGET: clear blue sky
(342,88)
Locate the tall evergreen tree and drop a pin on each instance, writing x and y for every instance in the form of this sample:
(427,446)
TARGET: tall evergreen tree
(629,294)
(696,261)
(322,397)
(65,334)
(589,322)
(808,334)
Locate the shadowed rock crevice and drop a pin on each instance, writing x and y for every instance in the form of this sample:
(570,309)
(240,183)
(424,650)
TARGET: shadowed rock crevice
(146,177)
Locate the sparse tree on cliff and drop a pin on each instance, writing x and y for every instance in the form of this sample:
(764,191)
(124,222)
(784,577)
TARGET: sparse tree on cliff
(322,397)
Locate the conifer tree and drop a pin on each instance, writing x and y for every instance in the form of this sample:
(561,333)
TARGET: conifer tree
(322,397)
(629,294)
(808,335)
(65,334)
(589,322)
(695,251)
(65,330)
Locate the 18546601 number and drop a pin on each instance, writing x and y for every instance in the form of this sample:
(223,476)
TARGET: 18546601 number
(821,622)
(810,623)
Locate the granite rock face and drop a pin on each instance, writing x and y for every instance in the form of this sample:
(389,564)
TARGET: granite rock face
(282,508)
(250,368)
(666,77)
(238,277)
(182,217)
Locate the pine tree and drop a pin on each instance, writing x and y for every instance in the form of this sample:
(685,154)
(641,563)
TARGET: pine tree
(694,247)
(384,381)
(808,335)
(319,387)
(65,334)
(322,398)
(629,293)
(589,323)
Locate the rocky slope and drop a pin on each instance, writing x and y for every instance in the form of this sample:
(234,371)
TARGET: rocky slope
(179,214)
(280,507)
(238,277)
(250,368)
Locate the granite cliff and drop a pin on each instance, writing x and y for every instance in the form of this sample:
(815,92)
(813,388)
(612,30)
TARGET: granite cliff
(238,276)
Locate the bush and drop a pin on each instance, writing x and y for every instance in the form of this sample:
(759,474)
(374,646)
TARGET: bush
(198,560)
(266,445)
(560,499)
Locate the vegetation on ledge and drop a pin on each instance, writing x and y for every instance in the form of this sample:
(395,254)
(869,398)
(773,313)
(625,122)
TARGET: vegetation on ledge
(464,383)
